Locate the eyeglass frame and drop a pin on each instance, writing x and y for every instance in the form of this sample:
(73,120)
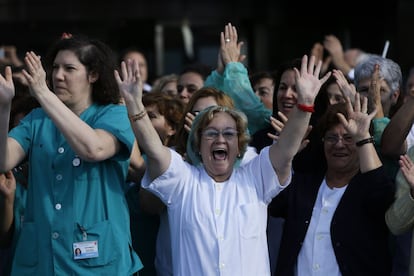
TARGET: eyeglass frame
(347,140)
(215,133)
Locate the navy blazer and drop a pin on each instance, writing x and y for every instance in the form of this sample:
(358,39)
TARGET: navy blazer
(360,237)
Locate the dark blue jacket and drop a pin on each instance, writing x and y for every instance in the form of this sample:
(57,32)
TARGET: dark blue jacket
(360,237)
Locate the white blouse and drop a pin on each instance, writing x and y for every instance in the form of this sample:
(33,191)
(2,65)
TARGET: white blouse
(218,228)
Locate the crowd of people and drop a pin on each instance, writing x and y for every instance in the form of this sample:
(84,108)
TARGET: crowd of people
(307,169)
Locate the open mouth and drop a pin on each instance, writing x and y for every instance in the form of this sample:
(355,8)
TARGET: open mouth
(219,154)
(288,105)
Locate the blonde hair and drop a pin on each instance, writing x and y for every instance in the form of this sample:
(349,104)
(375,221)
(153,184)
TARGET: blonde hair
(204,119)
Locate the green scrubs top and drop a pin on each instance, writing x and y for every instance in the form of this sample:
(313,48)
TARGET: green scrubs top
(18,209)
(236,84)
(18,212)
(72,202)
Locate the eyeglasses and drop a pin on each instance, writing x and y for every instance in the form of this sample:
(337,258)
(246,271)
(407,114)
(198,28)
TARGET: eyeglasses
(334,139)
(212,134)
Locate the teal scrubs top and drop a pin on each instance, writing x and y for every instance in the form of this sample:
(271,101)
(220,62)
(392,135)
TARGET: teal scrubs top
(71,201)
(236,84)
(18,212)
(18,208)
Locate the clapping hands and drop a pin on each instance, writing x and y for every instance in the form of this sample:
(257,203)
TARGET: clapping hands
(34,74)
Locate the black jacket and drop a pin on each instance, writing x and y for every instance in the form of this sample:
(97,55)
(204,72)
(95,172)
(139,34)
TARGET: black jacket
(360,237)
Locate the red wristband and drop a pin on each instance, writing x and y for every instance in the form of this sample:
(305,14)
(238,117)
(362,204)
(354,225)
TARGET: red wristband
(306,108)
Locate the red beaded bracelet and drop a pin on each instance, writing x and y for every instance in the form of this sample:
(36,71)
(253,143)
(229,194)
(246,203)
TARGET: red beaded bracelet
(306,108)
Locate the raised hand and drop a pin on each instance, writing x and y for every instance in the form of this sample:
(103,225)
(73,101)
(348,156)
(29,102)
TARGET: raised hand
(6,86)
(374,92)
(35,75)
(359,120)
(308,83)
(347,89)
(407,169)
(129,81)
(230,48)
(317,51)
(333,45)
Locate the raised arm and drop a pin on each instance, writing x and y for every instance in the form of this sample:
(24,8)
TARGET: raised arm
(374,92)
(308,85)
(393,143)
(232,78)
(7,193)
(347,89)
(318,51)
(90,144)
(333,45)
(137,165)
(12,152)
(130,86)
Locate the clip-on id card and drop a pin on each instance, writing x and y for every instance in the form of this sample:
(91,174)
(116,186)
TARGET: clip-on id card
(85,250)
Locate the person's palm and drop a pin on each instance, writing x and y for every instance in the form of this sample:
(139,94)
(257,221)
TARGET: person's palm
(307,79)
(359,120)
(129,80)
(6,86)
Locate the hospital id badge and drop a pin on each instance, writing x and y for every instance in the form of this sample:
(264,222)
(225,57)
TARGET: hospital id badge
(85,250)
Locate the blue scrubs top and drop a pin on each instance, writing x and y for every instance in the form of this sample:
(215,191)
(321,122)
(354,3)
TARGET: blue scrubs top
(236,84)
(70,200)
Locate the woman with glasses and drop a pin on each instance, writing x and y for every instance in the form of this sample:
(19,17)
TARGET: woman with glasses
(203,98)
(200,100)
(334,221)
(218,213)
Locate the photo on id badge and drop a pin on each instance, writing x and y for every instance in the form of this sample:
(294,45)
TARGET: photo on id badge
(85,250)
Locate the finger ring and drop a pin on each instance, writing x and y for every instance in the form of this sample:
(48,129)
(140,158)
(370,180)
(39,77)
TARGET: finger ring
(227,40)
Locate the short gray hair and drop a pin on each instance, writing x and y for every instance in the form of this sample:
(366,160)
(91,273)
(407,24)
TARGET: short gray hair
(390,71)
